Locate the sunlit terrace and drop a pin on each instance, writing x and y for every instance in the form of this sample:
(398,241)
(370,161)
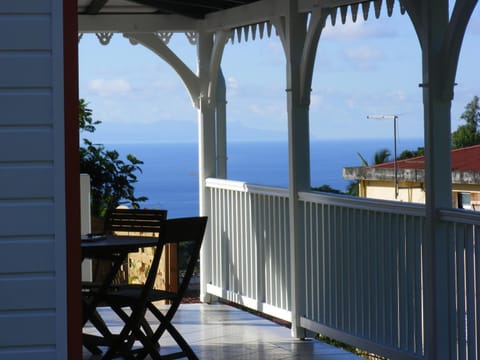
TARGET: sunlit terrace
(219,331)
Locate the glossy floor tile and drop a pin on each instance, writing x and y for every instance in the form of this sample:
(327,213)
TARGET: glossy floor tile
(219,331)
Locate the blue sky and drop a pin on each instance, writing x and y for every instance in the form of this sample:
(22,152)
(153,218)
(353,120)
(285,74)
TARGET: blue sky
(362,68)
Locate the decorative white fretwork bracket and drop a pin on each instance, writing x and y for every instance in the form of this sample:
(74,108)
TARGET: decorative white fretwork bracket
(192,37)
(104,37)
(165,36)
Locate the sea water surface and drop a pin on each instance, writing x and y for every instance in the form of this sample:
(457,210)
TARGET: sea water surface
(170,170)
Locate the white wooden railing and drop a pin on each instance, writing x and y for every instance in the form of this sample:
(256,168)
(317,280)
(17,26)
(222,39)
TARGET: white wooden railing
(464,282)
(364,272)
(250,246)
(363,266)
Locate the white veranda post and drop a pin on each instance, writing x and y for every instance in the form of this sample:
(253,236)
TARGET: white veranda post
(292,31)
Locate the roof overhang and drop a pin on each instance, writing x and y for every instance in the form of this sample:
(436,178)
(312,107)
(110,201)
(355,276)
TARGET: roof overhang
(195,9)
(167,15)
(199,15)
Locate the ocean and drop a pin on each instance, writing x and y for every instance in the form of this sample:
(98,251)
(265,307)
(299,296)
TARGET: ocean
(169,175)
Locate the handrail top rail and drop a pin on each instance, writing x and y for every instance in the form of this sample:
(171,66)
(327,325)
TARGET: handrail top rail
(388,206)
(459,215)
(245,187)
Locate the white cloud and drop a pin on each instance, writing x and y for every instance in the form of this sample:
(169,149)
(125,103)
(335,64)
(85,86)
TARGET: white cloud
(108,87)
(363,57)
(349,30)
(266,109)
(164,84)
(351,103)
(362,53)
(357,30)
(274,45)
(232,86)
(315,101)
(398,96)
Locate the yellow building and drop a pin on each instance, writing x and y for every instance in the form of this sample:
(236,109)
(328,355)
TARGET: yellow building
(403,180)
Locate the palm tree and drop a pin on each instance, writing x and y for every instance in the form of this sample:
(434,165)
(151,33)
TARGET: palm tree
(381,156)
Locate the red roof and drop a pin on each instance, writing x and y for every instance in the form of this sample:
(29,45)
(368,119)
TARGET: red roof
(464,159)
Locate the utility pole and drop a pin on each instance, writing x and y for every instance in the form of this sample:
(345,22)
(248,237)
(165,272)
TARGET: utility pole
(395,170)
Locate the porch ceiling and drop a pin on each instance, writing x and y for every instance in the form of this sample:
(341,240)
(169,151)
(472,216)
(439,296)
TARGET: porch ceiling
(150,16)
(195,9)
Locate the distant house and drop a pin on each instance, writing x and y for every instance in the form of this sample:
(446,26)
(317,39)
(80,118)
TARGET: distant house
(378,181)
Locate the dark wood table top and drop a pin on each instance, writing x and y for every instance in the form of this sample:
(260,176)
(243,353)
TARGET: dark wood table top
(100,245)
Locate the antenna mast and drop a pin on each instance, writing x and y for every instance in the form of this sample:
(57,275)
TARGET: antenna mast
(395,170)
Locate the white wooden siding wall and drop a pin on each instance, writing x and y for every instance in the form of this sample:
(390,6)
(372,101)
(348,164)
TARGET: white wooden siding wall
(32,241)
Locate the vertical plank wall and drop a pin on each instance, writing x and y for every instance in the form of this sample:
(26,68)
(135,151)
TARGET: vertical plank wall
(32,188)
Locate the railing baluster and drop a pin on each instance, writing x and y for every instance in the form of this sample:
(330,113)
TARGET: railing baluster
(338,268)
(328,261)
(250,252)
(470,291)
(317,256)
(364,250)
(349,270)
(321,258)
(381,272)
(389,279)
(410,276)
(460,290)
(309,261)
(476,317)
(418,318)
(452,234)
(341,293)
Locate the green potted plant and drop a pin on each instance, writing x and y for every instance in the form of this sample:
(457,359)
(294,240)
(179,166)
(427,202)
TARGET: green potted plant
(112,179)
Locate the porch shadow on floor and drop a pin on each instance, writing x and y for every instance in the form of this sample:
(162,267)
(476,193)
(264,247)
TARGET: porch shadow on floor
(219,331)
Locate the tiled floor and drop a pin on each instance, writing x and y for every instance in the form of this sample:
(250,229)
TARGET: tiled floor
(219,331)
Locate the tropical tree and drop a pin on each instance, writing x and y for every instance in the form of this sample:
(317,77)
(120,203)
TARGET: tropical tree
(381,156)
(468,134)
(407,154)
(326,188)
(111,178)
(352,188)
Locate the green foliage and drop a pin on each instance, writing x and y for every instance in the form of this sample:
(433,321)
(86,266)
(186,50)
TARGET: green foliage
(407,154)
(352,188)
(362,159)
(111,177)
(85,117)
(468,134)
(326,188)
(464,136)
(381,156)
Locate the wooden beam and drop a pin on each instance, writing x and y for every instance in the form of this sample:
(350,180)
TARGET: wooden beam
(135,23)
(95,6)
(254,13)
